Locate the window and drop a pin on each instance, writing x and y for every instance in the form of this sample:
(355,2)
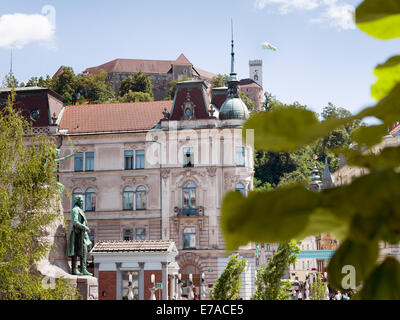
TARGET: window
(164,78)
(127,234)
(156,79)
(78,162)
(188,157)
(140,198)
(240,187)
(128,155)
(189,198)
(139,159)
(184,70)
(76,192)
(189,238)
(256,77)
(140,234)
(90,200)
(127,198)
(89,161)
(240,156)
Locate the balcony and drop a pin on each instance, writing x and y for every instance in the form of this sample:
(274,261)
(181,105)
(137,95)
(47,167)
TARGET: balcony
(189,212)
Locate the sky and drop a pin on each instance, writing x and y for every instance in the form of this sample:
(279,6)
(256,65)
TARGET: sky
(321,56)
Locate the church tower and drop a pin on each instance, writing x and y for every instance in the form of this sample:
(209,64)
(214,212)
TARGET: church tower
(255,68)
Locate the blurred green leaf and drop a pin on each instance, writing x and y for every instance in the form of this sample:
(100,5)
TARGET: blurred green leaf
(388,75)
(362,256)
(389,157)
(270,216)
(379,18)
(369,136)
(387,109)
(383,283)
(288,129)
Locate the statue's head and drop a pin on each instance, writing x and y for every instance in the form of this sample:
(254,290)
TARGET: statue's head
(78,200)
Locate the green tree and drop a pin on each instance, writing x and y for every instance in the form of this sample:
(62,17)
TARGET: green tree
(269,100)
(361,222)
(227,286)
(136,97)
(27,193)
(9,81)
(247,101)
(172,87)
(95,87)
(220,80)
(66,85)
(140,82)
(269,283)
(317,289)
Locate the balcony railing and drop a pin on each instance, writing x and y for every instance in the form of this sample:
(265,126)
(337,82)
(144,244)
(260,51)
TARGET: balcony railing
(189,212)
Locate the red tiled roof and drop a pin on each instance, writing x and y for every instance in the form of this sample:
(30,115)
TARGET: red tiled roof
(182,60)
(205,74)
(113,117)
(132,66)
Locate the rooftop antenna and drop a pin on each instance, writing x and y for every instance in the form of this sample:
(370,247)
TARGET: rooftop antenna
(232,53)
(11,64)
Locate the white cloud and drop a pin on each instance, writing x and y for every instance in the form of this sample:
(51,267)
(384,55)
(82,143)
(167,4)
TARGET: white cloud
(335,14)
(285,6)
(18,29)
(340,16)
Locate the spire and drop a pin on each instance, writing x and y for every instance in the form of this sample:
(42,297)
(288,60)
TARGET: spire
(11,64)
(315,183)
(232,76)
(232,52)
(327,180)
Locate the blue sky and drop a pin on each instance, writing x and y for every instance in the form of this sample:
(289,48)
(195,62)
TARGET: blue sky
(321,56)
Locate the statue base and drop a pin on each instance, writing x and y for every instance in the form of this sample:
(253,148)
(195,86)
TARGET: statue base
(55,264)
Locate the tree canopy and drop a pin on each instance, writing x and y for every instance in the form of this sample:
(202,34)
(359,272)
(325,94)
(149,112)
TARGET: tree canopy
(227,286)
(27,191)
(140,82)
(361,221)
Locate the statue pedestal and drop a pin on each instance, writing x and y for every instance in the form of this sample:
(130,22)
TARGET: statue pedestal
(54,264)
(88,287)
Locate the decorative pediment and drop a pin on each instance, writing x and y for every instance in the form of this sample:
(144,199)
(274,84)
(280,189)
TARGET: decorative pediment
(188,108)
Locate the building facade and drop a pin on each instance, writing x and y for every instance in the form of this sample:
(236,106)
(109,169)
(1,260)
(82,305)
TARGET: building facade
(255,71)
(159,171)
(160,72)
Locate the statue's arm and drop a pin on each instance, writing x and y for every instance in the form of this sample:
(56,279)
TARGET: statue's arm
(75,220)
(66,157)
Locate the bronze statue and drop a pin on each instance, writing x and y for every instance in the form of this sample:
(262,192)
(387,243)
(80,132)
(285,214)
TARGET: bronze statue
(78,238)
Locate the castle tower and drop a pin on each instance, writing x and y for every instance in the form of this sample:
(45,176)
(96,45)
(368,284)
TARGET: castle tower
(255,69)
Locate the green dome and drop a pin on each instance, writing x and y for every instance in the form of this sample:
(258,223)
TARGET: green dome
(233,108)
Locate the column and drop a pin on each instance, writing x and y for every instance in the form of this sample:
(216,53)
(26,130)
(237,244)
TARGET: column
(141,281)
(119,282)
(96,270)
(164,281)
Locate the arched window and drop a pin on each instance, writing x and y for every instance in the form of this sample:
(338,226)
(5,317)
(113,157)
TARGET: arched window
(140,198)
(90,199)
(189,198)
(127,198)
(240,187)
(76,192)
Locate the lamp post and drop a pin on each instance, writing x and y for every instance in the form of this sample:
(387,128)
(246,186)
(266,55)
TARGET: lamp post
(130,287)
(153,288)
(179,295)
(202,288)
(190,287)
